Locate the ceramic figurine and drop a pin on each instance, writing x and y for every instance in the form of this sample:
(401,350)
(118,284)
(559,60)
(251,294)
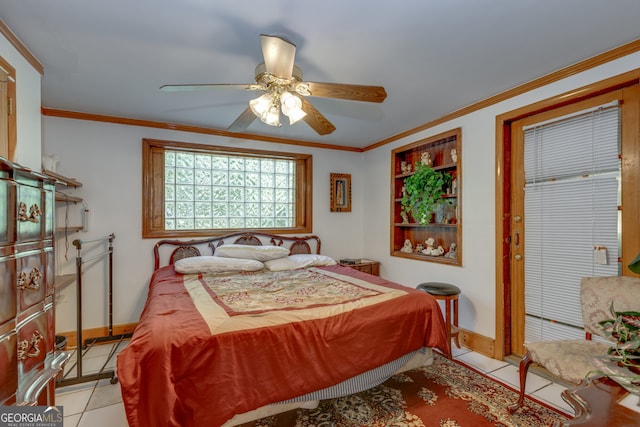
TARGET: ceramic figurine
(429,242)
(454,155)
(439,251)
(50,162)
(408,247)
(453,252)
(405,167)
(419,248)
(405,218)
(425,158)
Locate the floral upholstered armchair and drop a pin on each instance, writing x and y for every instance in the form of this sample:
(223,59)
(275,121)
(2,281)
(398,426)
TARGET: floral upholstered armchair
(573,360)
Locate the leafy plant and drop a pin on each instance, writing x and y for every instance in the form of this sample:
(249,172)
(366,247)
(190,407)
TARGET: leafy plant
(423,192)
(622,363)
(625,329)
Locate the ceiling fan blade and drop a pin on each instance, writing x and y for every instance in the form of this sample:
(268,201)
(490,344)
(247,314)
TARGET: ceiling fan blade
(279,55)
(205,86)
(243,121)
(316,120)
(346,91)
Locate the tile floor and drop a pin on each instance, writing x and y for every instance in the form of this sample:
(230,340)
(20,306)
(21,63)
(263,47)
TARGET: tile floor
(99,403)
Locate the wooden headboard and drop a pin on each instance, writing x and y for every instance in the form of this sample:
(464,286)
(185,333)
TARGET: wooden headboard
(166,252)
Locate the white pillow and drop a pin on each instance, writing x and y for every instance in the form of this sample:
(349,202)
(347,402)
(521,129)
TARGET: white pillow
(293,262)
(258,253)
(213,264)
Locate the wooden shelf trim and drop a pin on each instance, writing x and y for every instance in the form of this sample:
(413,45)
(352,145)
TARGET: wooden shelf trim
(442,167)
(65,198)
(430,225)
(62,180)
(74,229)
(423,257)
(444,196)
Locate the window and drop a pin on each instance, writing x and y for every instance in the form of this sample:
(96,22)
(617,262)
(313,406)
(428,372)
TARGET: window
(572,174)
(196,190)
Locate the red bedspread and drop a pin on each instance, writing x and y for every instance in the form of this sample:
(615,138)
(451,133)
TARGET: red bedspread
(206,348)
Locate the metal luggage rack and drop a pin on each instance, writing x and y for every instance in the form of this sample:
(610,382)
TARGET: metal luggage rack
(83,348)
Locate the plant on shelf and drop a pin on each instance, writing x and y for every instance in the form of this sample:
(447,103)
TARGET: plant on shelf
(622,362)
(423,192)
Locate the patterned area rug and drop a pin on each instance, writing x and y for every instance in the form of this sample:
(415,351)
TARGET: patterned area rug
(446,394)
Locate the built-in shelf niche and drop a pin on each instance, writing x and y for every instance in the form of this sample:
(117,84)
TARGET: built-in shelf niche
(446,227)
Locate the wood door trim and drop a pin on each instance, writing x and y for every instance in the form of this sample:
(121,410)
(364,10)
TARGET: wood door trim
(503,183)
(630,176)
(9,110)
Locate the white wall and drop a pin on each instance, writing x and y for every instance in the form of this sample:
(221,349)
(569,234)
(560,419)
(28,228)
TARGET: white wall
(107,159)
(476,277)
(28,82)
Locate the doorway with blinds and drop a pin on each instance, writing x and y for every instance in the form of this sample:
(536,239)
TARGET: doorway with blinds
(568,168)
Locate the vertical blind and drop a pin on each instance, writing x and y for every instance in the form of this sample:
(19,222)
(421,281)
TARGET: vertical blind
(572,193)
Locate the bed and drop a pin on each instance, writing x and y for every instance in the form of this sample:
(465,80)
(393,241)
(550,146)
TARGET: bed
(217,347)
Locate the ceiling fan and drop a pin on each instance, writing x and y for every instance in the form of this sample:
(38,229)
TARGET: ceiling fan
(281,81)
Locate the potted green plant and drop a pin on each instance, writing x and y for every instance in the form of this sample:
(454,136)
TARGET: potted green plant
(423,192)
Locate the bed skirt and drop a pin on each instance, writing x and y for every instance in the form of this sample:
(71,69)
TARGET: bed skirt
(364,381)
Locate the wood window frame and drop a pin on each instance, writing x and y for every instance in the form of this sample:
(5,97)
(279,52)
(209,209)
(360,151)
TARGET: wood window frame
(153,189)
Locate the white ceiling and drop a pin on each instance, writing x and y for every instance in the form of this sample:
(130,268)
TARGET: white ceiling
(433,57)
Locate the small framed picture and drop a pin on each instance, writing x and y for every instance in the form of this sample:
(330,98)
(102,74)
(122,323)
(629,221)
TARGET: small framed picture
(340,192)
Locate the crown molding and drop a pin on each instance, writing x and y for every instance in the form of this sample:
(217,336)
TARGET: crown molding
(52,112)
(555,76)
(20,47)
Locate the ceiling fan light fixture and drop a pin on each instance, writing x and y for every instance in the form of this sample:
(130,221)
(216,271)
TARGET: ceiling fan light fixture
(266,108)
(292,107)
(261,105)
(295,116)
(272,116)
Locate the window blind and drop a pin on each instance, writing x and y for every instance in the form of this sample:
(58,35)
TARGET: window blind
(572,186)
